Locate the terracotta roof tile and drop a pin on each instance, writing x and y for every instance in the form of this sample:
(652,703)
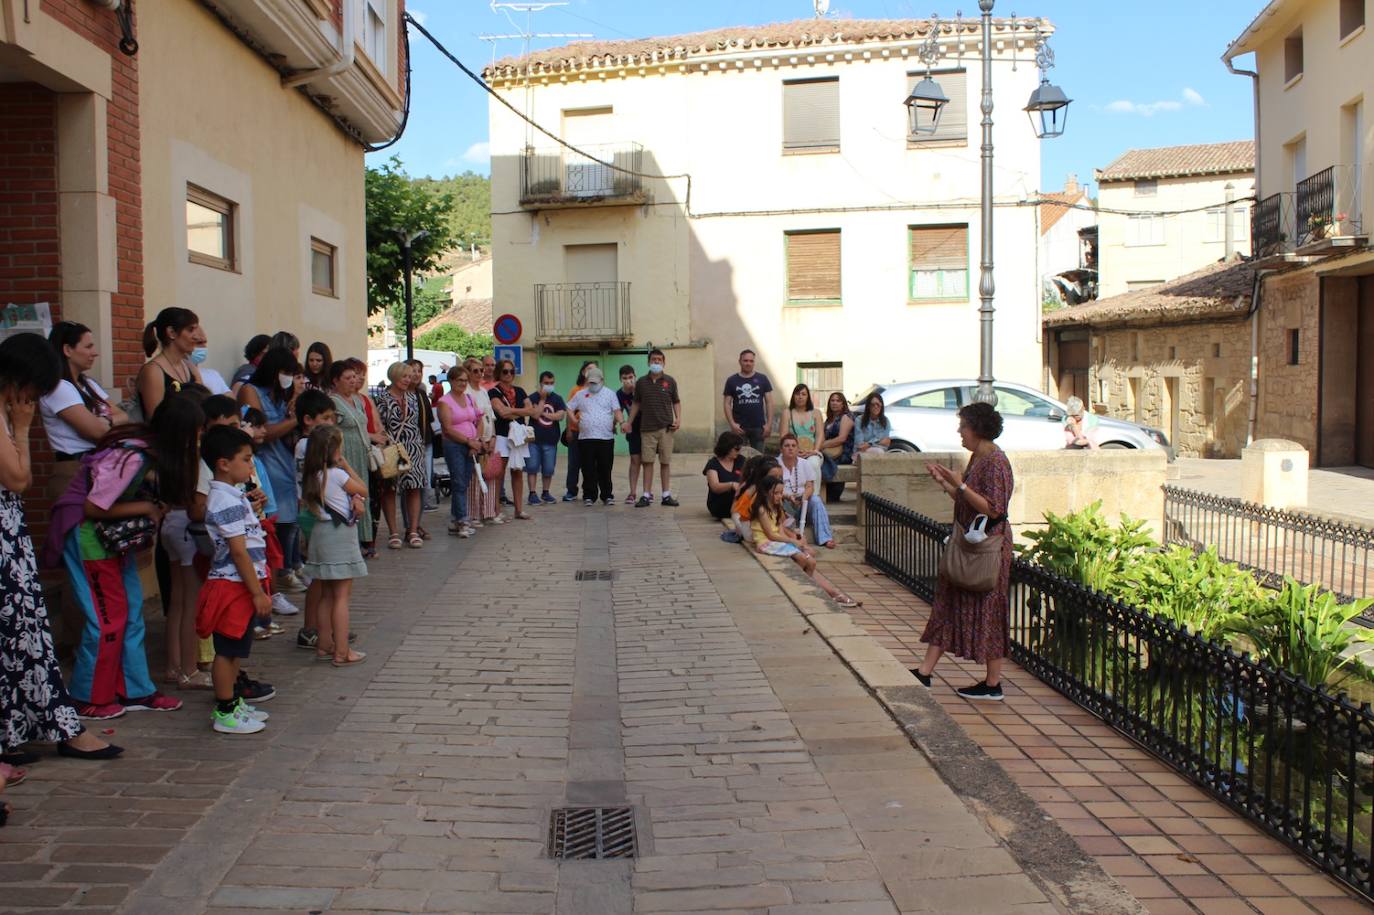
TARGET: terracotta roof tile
(802,33)
(1216,291)
(1180,161)
(1054,207)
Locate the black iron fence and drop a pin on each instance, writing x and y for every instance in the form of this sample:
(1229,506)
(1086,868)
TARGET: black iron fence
(562,175)
(1316,197)
(1273,542)
(1269,231)
(581,311)
(1296,760)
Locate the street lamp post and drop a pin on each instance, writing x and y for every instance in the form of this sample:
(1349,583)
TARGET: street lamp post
(407,240)
(925,104)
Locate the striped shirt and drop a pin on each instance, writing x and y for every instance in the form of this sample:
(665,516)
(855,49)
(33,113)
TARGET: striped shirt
(228,514)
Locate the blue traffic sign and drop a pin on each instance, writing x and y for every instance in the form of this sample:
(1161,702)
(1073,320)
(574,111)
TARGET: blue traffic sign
(516,355)
(507,329)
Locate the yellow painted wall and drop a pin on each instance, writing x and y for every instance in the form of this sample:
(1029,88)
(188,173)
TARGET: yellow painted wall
(215,114)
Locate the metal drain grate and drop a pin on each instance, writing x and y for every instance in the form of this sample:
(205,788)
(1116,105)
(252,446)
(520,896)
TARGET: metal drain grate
(592,833)
(594,575)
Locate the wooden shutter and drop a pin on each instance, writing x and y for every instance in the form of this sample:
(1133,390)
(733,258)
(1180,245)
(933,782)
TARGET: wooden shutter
(813,265)
(954,118)
(939,247)
(811,113)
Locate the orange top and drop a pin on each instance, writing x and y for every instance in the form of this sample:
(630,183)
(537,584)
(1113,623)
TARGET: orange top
(572,417)
(744,504)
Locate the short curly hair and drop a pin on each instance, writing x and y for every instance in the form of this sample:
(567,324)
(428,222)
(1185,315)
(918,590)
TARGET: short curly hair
(982,420)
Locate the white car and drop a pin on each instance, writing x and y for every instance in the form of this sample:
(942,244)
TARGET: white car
(922,416)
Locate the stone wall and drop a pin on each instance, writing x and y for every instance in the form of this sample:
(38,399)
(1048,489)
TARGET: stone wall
(1128,482)
(1287,406)
(1190,381)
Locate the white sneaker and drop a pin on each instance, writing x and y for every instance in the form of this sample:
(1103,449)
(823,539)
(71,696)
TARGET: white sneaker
(303,579)
(464,532)
(288,582)
(234,723)
(283,606)
(244,710)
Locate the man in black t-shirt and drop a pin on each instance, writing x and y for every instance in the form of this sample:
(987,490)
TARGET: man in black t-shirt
(749,402)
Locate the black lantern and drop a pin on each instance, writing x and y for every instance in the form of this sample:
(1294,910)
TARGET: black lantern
(1049,110)
(925,104)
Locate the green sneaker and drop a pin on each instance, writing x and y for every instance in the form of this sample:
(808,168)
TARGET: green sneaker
(243,709)
(234,723)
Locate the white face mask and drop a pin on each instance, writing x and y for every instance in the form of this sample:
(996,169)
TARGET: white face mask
(594,386)
(286,381)
(656,367)
(548,389)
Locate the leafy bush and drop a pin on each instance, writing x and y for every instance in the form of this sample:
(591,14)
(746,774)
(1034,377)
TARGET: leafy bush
(1083,547)
(1198,591)
(1306,632)
(454,339)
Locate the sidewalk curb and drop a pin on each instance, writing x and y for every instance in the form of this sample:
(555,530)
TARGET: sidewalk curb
(1050,856)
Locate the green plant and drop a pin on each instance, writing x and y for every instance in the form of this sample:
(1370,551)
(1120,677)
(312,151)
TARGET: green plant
(1307,632)
(452,338)
(1084,547)
(1198,591)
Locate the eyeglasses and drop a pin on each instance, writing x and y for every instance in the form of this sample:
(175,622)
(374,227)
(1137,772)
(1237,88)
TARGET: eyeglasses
(507,371)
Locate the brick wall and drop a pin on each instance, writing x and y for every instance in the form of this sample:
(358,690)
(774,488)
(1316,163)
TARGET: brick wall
(29,239)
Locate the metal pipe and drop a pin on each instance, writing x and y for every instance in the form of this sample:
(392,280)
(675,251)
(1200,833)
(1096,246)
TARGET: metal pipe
(987,287)
(348,35)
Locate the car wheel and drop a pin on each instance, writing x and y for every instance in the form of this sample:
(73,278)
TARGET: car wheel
(1119,446)
(904,447)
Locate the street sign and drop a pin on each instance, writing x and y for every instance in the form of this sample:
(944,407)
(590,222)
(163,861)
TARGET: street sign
(516,354)
(507,329)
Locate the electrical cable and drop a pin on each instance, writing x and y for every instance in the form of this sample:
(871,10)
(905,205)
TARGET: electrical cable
(405,105)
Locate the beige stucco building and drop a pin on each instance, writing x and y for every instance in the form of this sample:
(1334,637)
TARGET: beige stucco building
(1162,212)
(796,216)
(1315,302)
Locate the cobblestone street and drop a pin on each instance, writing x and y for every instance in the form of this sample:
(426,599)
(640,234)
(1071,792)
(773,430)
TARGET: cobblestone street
(764,776)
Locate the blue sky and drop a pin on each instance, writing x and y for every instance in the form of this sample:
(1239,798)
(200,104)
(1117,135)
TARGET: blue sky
(1140,73)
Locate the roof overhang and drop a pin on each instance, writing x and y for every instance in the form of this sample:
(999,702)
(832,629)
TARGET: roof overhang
(1273,16)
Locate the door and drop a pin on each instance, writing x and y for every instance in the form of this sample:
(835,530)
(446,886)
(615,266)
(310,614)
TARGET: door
(590,302)
(1364,376)
(587,129)
(1030,422)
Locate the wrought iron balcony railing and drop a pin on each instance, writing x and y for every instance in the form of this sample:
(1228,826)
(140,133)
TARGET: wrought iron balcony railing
(581,312)
(564,178)
(1316,205)
(1271,225)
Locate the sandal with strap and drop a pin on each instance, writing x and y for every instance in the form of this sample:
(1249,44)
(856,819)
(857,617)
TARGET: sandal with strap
(416,541)
(12,775)
(394,543)
(844,600)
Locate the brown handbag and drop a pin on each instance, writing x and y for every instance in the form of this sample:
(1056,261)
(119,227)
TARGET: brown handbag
(973,567)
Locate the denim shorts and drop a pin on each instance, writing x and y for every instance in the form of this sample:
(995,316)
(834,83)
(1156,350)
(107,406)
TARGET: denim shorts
(542,459)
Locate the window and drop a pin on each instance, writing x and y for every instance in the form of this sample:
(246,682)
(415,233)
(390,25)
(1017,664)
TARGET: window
(938,263)
(1019,403)
(1352,17)
(209,228)
(374,31)
(1292,57)
(1147,187)
(322,267)
(1143,231)
(954,117)
(939,399)
(813,267)
(821,378)
(1216,350)
(1216,225)
(1294,347)
(811,114)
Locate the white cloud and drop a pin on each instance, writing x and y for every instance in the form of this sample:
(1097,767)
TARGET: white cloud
(478,154)
(1190,97)
(420,16)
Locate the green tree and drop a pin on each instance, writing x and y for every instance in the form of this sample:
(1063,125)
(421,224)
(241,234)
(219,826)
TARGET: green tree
(452,338)
(470,215)
(431,298)
(395,202)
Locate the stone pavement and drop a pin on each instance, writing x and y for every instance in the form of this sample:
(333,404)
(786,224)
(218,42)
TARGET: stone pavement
(764,775)
(1342,491)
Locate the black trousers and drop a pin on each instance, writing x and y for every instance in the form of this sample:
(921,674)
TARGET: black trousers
(598,457)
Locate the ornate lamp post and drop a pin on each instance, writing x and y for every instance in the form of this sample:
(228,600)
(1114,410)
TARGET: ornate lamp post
(1048,110)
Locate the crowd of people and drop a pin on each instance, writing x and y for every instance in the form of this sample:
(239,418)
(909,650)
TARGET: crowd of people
(276,482)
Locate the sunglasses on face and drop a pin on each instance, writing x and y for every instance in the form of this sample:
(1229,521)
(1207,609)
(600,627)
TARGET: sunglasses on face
(507,372)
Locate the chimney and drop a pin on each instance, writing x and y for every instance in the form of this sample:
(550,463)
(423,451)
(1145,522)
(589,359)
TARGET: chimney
(1071,184)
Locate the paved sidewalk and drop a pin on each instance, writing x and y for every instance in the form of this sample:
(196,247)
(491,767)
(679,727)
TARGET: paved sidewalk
(1343,491)
(765,776)
(1166,841)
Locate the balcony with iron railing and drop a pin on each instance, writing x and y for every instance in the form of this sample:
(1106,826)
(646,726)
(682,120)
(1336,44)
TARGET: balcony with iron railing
(561,178)
(581,313)
(1328,209)
(1272,225)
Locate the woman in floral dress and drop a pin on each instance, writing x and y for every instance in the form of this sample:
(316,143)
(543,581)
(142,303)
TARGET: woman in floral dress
(399,411)
(34,704)
(970,625)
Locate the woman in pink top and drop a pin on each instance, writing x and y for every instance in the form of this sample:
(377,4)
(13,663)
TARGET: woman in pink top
(459,417)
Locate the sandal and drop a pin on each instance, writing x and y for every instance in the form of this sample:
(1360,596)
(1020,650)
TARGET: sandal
(524,517)
(198,680)
(172,677)
(394,543)
(354,657)
(424,534)
(844,600)
(416,541)
(12,775)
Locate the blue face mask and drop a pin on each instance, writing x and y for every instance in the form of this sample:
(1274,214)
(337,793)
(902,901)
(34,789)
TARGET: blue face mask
(656,367)
(199,354)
